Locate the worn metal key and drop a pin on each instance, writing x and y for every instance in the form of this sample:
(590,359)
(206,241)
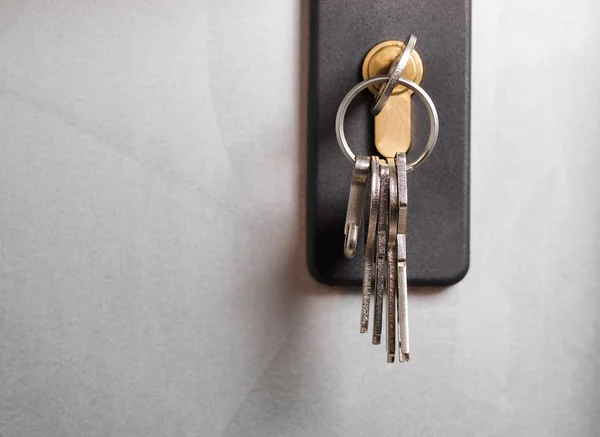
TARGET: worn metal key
(356,202)
(380,249)
(370,242)
(401,253)
(392,257)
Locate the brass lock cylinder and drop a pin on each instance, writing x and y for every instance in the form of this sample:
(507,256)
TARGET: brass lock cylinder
(393,124)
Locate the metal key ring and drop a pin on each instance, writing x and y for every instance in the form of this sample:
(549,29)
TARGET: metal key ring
(395,73)
(434,123)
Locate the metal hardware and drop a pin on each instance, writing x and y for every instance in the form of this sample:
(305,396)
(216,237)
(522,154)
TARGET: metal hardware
(434,123)
(393,108)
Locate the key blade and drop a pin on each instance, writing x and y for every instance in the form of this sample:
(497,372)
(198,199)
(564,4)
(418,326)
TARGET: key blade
(402,192)
(370,241)
(392,285)
(380,266)
(403,342)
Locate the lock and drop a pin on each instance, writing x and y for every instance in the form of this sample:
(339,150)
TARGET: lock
(393,123)
(438,244)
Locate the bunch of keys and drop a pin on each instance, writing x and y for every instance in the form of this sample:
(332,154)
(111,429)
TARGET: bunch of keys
(384,181)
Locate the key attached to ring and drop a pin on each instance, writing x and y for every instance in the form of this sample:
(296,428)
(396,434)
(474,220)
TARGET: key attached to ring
(354,213)
(380,249)
(392,108)
(385,243)
(370,242)
(402,297)
(392,257)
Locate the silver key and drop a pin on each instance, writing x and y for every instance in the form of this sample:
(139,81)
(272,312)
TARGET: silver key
(401,268)
(371,236)
(381,242)
(356,204)
(392,260)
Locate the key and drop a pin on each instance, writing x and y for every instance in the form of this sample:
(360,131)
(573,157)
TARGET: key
(392,284)
(401,250)
(385,262)
(380,250)
(395,71)
(370,241)
(356,201)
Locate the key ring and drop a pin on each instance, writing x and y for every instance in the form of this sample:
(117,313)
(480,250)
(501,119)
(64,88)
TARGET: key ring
(395,73)
(434,123)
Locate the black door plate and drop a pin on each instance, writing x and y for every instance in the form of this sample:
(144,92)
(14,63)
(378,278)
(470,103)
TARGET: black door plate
(341,34)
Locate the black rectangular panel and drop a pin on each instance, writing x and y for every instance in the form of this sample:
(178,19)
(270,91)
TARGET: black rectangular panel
(341,34)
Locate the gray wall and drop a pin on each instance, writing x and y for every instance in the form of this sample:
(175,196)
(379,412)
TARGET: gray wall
(152,270)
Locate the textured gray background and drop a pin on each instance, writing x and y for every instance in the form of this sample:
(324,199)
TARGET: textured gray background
(152,270)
